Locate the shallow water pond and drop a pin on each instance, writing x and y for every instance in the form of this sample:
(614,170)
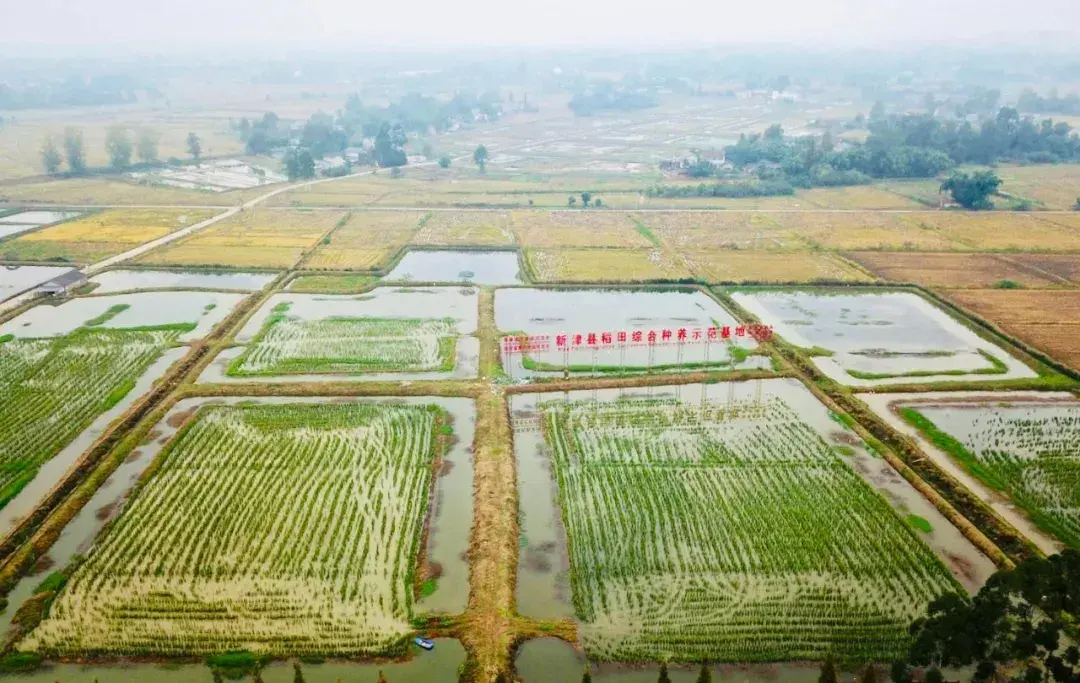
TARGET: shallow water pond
(17,279)
(578,312)
(126,280)
(881,337)
(477,267)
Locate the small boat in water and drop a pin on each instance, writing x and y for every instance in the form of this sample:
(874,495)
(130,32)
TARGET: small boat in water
(424,643)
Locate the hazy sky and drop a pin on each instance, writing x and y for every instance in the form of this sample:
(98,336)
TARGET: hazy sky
(115,26)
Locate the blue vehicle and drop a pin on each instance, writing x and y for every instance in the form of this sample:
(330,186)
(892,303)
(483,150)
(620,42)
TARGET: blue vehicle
(424,643)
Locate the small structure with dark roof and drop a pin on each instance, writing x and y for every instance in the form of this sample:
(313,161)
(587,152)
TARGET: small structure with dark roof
(63,283)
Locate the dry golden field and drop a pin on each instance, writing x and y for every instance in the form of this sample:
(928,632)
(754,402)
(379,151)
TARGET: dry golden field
(574,229)
(255,239)
(100,235)
(100,191)
(856,197)
(718,230)
(864,230)
(1048,320)
(956,270)
(366,240)
(772,267)
(465,228)
(603,265)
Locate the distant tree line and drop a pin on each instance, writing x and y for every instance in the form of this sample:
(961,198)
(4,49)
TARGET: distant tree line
(119,146)
(70,92)
(607,96)
(1030,101)
(730,190)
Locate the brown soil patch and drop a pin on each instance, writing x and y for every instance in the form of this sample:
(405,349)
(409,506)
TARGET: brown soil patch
(953,270)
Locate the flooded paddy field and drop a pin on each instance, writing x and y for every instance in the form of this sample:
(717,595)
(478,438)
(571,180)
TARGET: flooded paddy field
(761,504)
(396,333)
(68,371)
(877,338)
(397,471)
(476,267)
(15,280)
(571,312)
(212,176)
(113,281)
(1019,451)
(16,223)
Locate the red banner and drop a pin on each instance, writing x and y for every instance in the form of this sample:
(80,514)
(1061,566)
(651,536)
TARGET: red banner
(661,337)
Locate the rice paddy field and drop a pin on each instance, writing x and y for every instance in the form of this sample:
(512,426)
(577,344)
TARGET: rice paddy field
(251,239)
(1027,450)
(739,267)
(869,338)
(365,240)
(969,270)
(475,228)
(605,265)
(97,236)
(692,527)
(476,267)
(172,576)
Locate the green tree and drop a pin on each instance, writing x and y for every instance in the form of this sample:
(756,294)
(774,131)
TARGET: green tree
(1017,618)
(586,677)
(704,676)
(664,677)
(1076,206)
(444,161)
(571,201)
(972,191)
(480,158)
(146,149)
(50,155)
(194,146)
(299,164)
(389,148)
(298,674)
(828,671)
(586,197)
(73,148)
(900,672)
(933,675)
(118,146)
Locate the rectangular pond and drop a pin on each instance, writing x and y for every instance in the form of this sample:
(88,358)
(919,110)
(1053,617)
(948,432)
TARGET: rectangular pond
(476,267)
(573,312)
(875,338)
(15,280)
(113,281)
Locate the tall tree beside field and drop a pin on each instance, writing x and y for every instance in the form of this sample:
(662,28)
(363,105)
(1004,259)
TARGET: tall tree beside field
(194,146)
(73,147)
(972,191)
(828,671)
(147,147)
(586,197)
(118,146)
(480,158)
(50,155)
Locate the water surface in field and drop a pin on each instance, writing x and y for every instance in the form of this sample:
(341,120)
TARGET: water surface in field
(544,567)
(113,281)
(477,267)
(880,333)
(437,666)
(38,217)
(556,312)
(14,280)
(460,303)
(205,309)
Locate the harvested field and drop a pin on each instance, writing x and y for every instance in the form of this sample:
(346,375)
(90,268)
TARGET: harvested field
(255,239)
(865,230)
(100,235)
(1064,266)
(366,240)
(857,197)
(1004,231)
(567,229)
(959,270)
(718,230)
(1053,186)
(602,265)
(173,578)
(1048,320)
(488,228)
(713,532)
(98,191)
(771,267)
